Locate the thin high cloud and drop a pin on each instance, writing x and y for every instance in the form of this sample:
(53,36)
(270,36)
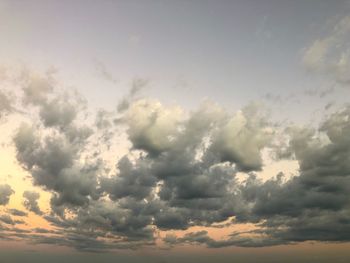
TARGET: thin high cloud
(182,170)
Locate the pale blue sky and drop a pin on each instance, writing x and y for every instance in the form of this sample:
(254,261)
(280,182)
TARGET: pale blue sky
(230,51)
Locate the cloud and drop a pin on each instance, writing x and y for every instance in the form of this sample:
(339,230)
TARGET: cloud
(132,181)
(36,88)
(195,186)
(183,169)
(311,206)
(177,181)
(240,140)
(151,126)
(137,85)
(31,202)
(5,193)
(5,104)
(330,54)
(203,238)
(16,212)
(54,159)
(183,176)
(9,221)
(57,113)
(315,204)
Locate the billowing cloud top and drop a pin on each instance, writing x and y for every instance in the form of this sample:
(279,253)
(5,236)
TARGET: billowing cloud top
(182,169)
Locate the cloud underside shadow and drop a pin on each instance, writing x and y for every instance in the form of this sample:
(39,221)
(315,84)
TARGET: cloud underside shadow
(181,171)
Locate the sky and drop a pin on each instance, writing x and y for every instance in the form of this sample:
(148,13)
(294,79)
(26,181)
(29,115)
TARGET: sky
(167,131)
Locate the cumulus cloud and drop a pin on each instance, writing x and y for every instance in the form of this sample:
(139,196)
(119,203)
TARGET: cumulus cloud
(178,180)
(5,193)
(53,164)
(180,175)
(31,202)
(183,169)
(315,204)
(242,138)
(53,156)
(36,87)
(151,126)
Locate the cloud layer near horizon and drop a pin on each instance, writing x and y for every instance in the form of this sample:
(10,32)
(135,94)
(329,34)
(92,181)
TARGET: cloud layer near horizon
(183,169)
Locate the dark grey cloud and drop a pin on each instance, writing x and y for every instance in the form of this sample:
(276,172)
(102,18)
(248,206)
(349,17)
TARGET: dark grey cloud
(6,219)
(118,226)
(57,113)
(181,171)
(31,202)
(132,181)
(43,230)
(54,164)
(54,159)
(16,212)
(315,204)
(5,193)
